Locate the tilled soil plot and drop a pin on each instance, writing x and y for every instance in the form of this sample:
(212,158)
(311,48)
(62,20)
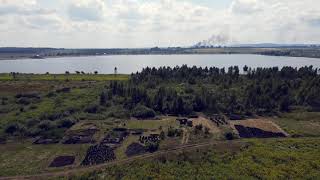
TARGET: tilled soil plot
(62,161)
(98,154)
(135,149)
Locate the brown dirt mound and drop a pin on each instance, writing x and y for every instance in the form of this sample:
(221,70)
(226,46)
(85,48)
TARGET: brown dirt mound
(80,137)
(135,149)
(206,123)
(62,161)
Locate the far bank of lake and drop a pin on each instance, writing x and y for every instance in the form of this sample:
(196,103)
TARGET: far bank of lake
(127,64)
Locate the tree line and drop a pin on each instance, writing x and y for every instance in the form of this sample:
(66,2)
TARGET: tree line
(185,90)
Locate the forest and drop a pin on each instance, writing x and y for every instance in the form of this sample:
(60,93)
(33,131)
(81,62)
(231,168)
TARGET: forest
(186,90)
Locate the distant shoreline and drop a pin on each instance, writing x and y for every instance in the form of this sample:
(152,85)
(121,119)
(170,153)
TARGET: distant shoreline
(286,52)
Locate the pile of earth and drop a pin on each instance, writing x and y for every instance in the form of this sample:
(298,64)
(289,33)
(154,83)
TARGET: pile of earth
(115,137)
(251,132)
(80,137)
(98,154)
(135,149)
(62,161)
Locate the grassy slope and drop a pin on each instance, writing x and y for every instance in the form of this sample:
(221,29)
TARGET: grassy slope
(25,158)
(262,159)
(300,123)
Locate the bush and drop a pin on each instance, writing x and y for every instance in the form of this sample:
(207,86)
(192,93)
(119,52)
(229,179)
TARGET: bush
(230,136)
(152,146)
(65,123)
(143,112)
(28,95)
(23,101)
(172,132)
(93,109)
(12,128)
(46,125)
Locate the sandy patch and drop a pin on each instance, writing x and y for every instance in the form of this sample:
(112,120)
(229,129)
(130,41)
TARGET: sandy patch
(206,123)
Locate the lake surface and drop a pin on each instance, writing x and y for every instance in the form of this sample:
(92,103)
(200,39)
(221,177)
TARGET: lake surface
(127,64)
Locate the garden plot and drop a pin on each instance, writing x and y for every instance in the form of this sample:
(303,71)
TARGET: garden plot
(62,161)
(135,149)
(98,154)
(258,128)
(82,135)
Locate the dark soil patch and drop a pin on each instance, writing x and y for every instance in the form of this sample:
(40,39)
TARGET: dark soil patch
(45,141)
(135,149)
(136,131)
(62,161)
(98,154)
(250,132)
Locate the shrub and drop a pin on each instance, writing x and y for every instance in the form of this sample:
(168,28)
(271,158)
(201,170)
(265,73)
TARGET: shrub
(172,132)
(12,128)
(23,101)
(28,95)
(64,90)
(199,127)
(141,111)
(65,123)
(119,112)
(230,136)
(46,125)
(93,109)
(152,146)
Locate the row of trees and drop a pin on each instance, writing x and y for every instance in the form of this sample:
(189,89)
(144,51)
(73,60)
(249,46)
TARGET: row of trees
(184,90)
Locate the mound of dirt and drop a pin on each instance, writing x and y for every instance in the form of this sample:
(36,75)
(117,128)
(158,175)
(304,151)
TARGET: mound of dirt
(98,154)
(62,161)
(251,132)
(80,137)
(135,149)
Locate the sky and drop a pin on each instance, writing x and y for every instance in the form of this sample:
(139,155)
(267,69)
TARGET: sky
(150,23)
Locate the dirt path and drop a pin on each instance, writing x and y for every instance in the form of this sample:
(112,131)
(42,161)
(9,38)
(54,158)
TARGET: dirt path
(68,173)
(185,138)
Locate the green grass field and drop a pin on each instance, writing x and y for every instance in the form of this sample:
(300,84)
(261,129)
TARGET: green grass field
(25,158)
(152,124)
(300,123)
(255,159)
(64,77)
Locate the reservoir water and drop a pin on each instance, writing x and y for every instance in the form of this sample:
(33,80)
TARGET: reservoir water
(127,64)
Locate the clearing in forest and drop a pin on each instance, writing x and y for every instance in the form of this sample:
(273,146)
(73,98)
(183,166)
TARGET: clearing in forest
(206,123)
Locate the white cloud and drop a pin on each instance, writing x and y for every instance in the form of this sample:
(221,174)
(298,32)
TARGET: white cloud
(90,10)
(140,23)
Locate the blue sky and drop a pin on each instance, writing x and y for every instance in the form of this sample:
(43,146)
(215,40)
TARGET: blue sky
(148,23)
